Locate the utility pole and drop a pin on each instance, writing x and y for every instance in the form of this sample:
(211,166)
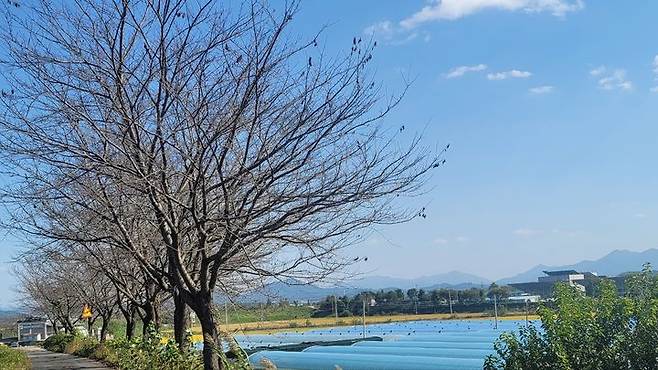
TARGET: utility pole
(495,312)
(450,301)
(364,317)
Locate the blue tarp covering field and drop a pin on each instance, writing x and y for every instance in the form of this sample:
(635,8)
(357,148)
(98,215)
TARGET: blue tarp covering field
(449,344)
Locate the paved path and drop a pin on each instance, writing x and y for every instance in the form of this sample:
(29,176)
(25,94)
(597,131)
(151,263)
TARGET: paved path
(44,360)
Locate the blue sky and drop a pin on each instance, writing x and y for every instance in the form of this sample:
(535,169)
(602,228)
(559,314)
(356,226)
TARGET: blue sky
(549,110)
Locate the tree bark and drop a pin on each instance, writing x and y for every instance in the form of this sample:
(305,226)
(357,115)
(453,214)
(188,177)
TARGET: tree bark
(130,327)
(150,317)
(181,313)
(202,306)
(104,327)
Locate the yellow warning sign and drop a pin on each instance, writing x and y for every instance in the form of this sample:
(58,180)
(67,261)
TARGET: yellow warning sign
(86,312)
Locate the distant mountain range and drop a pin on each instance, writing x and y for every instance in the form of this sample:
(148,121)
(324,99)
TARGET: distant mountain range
(451,279)
(612,264)
(291,291)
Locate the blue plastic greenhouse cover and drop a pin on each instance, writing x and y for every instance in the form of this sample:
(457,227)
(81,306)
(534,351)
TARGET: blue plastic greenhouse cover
(327,361)
(469,338)
(405,351)
(413,344)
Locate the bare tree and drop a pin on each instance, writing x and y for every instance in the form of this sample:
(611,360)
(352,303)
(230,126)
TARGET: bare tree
(60,285)
(241,153)
(42,294)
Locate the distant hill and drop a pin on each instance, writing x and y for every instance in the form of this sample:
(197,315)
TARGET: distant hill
(295,291)
(8,313)
(613,264)
(451,279)
(291,291)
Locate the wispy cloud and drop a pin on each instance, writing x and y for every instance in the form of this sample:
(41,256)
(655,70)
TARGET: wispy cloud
(392,34)
(597,71)
(462,239)
(540,90)
(397,33)
(526,232)
(515,73)
(655,73)
(612,79)
(439,10)
(462,70)
(440,241)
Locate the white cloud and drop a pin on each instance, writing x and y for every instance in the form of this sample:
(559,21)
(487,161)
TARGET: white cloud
(462,239)
(527,232)
(655,73)
(508,74)
(539,90)
(440,241)
(384,30)
(461,70)
(597,71)
(612,79)
(392,34)
(454,9)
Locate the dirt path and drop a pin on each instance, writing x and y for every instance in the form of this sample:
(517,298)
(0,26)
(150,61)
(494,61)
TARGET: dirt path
(44,360)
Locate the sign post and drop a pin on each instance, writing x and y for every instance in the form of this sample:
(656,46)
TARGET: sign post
(86,314)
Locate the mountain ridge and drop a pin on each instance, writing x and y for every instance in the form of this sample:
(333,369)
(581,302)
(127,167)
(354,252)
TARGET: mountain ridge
(615,263)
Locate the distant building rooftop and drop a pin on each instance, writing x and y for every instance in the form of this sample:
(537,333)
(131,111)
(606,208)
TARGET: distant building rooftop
(561,272)
(32,319)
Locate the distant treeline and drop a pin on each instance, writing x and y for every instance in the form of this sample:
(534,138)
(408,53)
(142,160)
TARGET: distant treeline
(419,301)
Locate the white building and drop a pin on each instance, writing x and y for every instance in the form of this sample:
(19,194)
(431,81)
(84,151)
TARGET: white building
(34,329)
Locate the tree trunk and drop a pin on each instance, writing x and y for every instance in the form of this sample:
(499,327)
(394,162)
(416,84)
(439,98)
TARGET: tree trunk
(149,318)
(130,322)
(68,326)
(181,313)
(202,306)
(104,326)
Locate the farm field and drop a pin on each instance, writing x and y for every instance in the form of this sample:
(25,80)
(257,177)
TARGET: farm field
(308,324)
(426,344)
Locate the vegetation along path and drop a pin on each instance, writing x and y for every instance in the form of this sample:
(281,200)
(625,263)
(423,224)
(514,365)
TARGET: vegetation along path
(44,360)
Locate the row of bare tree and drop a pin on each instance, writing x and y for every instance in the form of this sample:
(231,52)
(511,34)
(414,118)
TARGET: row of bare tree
(175,148)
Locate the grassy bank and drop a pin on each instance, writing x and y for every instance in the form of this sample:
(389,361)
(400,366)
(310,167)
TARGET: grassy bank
(12,359)
(240,315)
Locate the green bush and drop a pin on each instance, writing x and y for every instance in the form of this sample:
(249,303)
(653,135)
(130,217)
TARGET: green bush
(83,347)
(11,359)
(604,332)
(153,353)
(58,342)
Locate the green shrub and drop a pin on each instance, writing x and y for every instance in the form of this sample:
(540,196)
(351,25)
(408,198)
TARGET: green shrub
(603,332)
(11,359)
(58,342)
(151,353)
(83,347)
(104,353)
(241,360)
